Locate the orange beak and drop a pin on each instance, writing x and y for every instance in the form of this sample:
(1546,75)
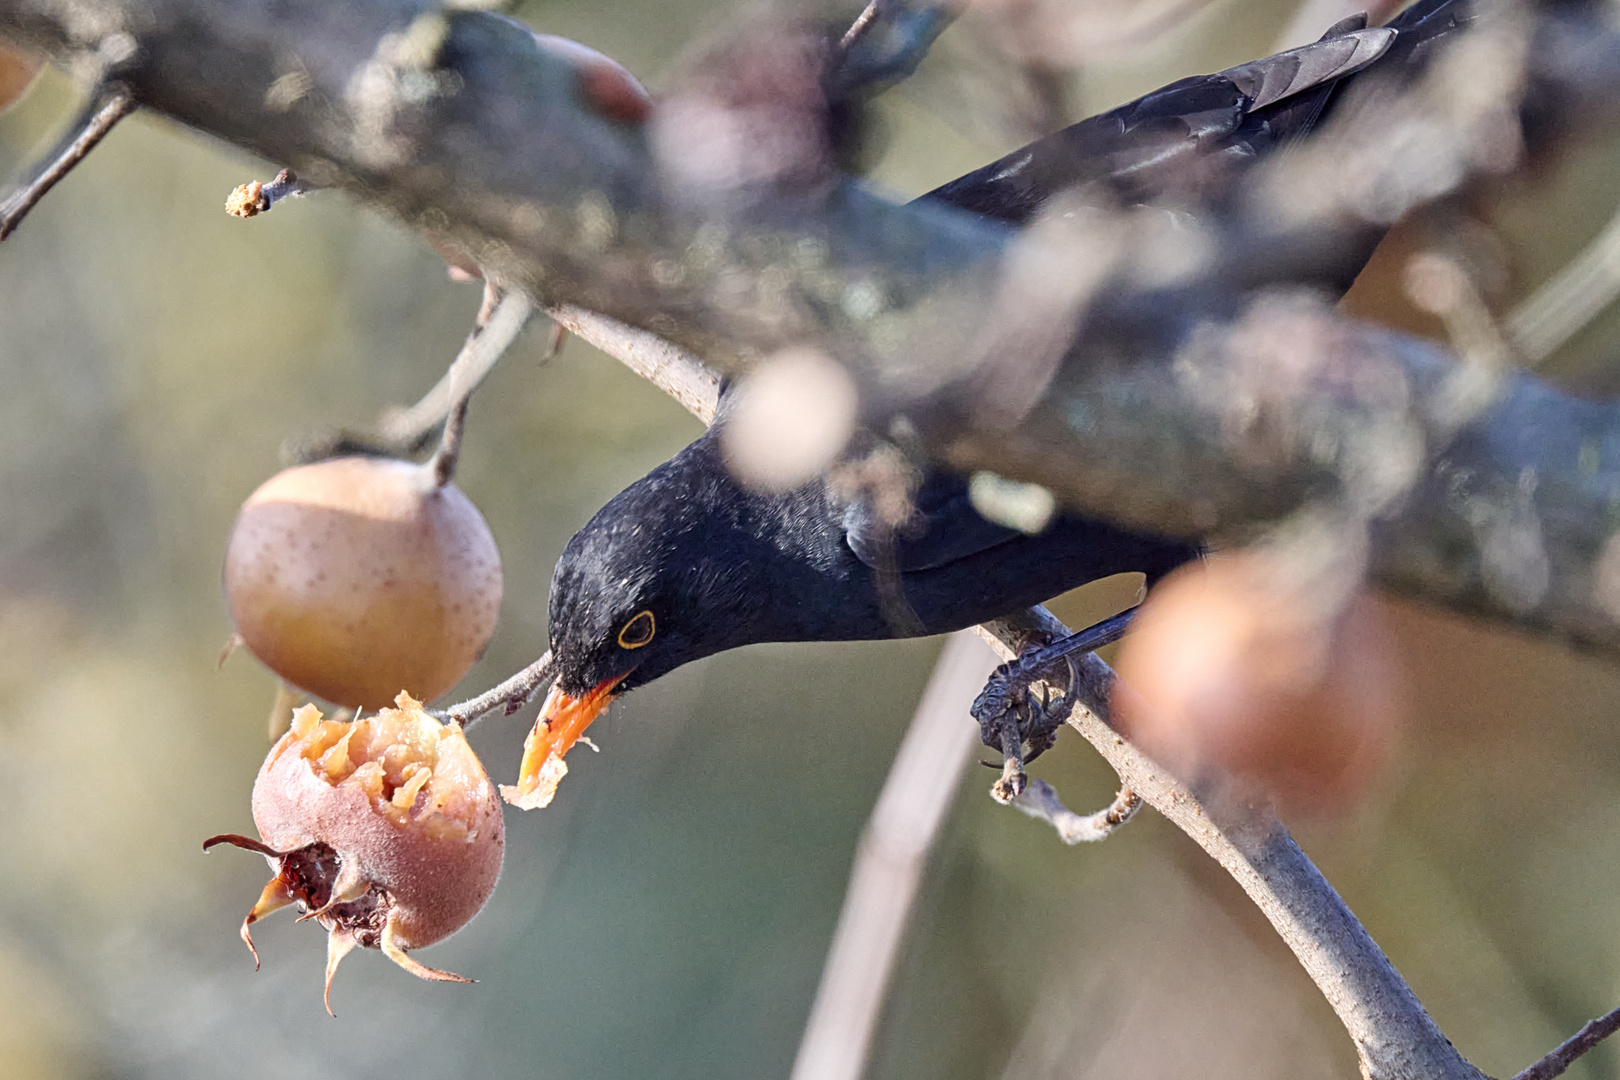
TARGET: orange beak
(562,720)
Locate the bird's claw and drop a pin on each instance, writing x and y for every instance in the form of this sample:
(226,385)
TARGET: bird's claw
(1013,716)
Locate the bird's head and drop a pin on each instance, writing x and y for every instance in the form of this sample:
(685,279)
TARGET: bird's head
(656,579)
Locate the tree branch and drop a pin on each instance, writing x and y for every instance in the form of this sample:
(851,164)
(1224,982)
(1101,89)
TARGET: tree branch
(676,372)
(1559,1061)
(1393,1034)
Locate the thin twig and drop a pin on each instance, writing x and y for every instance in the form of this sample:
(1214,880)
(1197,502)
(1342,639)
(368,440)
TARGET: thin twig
(253,198)
(672,369)
(92,127)
(1040,800)
(485,345)
(858,27)
(889,864)
(509,696)
(1592,1033)
(448,454)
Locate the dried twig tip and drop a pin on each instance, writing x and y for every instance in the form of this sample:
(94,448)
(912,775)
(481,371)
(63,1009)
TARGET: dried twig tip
(253,198)
(247,200)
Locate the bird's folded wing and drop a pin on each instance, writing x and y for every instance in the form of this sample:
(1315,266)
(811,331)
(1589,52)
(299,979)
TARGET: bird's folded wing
(942,529)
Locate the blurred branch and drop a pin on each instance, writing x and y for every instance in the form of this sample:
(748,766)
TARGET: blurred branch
(889,864)
(108,105)
(1393,1034)
(887,41)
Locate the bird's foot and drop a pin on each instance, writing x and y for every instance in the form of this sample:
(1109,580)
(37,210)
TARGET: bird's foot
(1018,708)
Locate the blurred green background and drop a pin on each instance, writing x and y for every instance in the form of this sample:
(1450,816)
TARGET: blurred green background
(667,917)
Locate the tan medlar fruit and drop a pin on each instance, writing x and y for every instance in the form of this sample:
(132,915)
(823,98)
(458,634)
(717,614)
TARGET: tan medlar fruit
(356,577)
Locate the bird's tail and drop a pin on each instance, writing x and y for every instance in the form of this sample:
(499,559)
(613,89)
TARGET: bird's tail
(1424,22)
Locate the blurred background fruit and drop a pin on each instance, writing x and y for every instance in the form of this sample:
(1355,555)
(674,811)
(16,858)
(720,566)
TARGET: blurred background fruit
(1228,667)
(18,69)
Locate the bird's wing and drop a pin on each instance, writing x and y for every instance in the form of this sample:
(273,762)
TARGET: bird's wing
(943,528)
(1177,141)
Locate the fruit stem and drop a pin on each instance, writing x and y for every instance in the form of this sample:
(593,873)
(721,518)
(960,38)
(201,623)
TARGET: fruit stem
(509,696)
(443,462)
(501,318)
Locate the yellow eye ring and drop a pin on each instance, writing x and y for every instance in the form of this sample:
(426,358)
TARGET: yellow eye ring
(638,631)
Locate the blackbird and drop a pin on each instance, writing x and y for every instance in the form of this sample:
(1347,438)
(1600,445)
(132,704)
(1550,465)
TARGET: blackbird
(687,562)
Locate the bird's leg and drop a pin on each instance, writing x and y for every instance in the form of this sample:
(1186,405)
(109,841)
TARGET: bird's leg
(1011,717)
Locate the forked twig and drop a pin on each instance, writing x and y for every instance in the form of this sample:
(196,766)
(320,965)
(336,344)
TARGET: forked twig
(487,343)
(1040,800)
(1393,1034)
(494,332)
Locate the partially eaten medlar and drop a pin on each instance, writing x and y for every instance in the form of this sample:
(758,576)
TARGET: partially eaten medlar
(385,830)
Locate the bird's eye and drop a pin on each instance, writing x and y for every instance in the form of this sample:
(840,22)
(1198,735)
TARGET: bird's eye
(638,631)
